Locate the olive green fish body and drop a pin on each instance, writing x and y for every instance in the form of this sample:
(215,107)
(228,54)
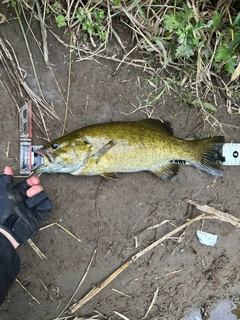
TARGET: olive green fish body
(146,145)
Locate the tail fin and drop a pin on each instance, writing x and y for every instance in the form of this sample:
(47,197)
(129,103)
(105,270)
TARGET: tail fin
(211,156)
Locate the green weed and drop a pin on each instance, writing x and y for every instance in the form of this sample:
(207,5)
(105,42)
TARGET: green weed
(189,37)
(187,34)
(227,54)
(60,20)
(91,20)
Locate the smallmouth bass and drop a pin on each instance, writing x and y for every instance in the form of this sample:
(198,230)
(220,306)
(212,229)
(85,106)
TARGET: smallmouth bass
(146,145)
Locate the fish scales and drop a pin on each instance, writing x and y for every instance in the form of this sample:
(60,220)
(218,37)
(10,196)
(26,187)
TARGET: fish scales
(113,147)
(132,150)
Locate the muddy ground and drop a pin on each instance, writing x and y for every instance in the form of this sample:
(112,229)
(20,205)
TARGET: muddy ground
(107,215)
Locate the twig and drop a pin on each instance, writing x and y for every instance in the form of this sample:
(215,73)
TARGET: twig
(27,291)
(97,54)
(215,214)
(35,248)
(40,280)
(64,229)
(44,33)
(8,147)
(158,225)
(152,303)
(14,74)
(69,85)
(80,283)
(121,315)
(122,293)
(29,51)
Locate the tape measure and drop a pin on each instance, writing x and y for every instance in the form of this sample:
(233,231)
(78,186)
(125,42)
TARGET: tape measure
(231,153)
(29,159)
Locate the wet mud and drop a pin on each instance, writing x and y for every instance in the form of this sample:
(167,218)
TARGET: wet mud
(113,217)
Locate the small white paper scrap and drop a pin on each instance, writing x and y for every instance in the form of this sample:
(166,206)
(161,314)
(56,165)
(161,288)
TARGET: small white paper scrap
(206,238)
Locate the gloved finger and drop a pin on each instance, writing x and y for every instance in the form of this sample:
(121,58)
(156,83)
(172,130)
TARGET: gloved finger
(24,185)
(45,208)
(33,181)
(6,179)
(37,200)
(8,171)
(22,188)
(34,190)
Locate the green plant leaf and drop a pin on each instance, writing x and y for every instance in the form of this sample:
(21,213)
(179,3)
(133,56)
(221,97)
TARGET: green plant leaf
(230,65)
(209,106)
(185,50)
(234,43)
(140,11)
(236,20)
(170,22)
(200,24)
(222,54)
(188,12)
(216,19)
(60,21)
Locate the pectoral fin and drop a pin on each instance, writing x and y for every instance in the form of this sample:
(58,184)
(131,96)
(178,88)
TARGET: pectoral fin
(167,171)
(110,175)
(103,150)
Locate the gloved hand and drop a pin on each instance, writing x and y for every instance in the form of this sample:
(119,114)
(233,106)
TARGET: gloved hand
(21,215)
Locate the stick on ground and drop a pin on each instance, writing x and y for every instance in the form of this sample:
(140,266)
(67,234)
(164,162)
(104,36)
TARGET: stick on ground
(209,213)
(215,214)
(27,291)
(36,249)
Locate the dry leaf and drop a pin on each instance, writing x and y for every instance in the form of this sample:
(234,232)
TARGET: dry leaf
(236,73)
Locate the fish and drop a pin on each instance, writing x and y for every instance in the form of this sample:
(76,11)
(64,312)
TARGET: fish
(110,148)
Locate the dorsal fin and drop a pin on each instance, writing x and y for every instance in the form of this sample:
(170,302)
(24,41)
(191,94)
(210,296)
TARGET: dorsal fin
(154,123)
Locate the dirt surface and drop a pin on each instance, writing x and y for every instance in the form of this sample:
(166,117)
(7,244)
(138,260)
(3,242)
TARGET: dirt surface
(112,216)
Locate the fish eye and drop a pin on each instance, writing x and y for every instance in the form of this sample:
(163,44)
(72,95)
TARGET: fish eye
(54,146)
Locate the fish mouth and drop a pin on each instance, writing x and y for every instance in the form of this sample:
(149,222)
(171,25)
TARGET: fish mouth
(45,154)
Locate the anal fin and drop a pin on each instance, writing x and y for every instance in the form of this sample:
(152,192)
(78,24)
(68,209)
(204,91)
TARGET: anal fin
(167,171)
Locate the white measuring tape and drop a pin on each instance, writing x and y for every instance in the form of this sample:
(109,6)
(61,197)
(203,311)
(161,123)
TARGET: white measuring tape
(231,153)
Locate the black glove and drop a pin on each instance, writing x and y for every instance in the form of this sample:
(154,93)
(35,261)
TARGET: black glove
(20,215)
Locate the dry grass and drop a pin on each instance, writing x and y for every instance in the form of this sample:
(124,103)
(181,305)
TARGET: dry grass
(20,91)
(26,290)
(195,80)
